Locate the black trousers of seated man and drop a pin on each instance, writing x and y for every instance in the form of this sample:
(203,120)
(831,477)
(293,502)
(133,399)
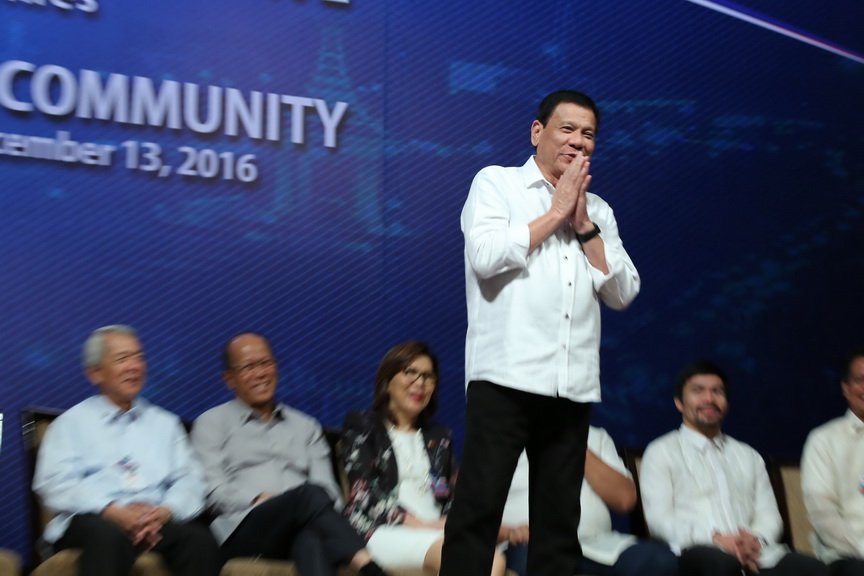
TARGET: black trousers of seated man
(847,567)
(711,561)
(499,423)
(300,525)
(187,548)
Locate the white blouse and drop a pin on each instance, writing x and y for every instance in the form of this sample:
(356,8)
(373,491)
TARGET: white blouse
(412,461)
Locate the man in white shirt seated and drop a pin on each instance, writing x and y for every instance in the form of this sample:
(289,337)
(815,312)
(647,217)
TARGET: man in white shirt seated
(119,473)
(708,495)
(608,484)
(832,479)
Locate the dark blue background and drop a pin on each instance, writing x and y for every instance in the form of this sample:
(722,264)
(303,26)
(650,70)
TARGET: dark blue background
(731,154)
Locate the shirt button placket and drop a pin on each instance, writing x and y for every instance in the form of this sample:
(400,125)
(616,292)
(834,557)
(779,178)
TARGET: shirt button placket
(568,272)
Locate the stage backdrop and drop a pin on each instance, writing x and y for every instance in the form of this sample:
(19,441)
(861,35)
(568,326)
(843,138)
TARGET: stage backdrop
(298,167)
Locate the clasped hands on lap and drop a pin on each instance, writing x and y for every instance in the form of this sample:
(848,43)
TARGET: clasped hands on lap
(743,545)
(142,522)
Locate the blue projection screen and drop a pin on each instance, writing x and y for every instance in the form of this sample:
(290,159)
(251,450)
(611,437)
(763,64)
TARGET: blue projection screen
(298,167)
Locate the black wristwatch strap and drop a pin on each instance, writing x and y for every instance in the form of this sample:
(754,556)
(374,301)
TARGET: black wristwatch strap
(582,238)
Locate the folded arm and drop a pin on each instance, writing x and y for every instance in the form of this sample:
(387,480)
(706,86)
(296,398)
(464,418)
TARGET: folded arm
(209,439)
(64,481)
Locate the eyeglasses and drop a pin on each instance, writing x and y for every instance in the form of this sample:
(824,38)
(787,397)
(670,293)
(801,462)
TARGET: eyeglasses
(127,356)
(246,369)
(413,375)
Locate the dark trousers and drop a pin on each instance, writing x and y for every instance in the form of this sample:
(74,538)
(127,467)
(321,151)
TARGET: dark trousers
(106,550)
(711,561)
(500,422)
(645,558)
(847,567)
(301,525)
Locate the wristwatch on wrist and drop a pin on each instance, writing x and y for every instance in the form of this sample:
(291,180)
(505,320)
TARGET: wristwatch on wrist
(582,238)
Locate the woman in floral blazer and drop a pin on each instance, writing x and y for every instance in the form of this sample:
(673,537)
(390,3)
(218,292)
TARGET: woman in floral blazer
(400,465)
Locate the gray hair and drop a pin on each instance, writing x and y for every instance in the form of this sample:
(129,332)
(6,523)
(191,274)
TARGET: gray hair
(94,346)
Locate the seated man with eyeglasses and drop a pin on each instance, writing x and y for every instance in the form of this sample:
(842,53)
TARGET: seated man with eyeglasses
(832,478)
(268,471)
(117,472)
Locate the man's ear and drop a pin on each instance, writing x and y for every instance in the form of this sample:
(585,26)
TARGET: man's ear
(679,405)
(536,129)
(228,378)
(94,375)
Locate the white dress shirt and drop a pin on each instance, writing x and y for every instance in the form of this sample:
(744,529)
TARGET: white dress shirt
(693,486)
(599,542)
(832,479)
(95,454)
(534,319)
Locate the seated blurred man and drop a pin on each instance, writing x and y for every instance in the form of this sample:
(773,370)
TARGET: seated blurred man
(832,478)
(269,473)
(608,484)
(119,473)
(708,495)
